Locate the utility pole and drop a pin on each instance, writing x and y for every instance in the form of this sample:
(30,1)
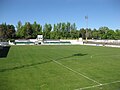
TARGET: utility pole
(86,18)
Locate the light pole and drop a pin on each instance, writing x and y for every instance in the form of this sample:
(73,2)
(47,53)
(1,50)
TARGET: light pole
(86,18)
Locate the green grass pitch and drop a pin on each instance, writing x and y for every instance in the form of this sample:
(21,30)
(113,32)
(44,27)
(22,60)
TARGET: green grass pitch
(60,68)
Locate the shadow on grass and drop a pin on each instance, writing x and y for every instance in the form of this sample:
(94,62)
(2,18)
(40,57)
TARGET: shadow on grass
(78,54)
(4,51)
(33,64)
(23,66)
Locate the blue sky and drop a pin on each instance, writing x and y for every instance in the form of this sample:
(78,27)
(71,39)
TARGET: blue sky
(100,12)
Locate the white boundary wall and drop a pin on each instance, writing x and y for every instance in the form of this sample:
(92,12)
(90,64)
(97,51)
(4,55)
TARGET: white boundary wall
(105,41)
(74,42)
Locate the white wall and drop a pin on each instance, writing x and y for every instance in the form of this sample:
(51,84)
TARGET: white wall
(73,41)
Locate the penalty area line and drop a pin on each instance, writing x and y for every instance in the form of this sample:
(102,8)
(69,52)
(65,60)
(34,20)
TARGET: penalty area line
(104,84)
(77,72)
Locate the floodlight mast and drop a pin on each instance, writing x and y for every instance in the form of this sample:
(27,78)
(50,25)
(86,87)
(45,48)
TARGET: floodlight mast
(86,18)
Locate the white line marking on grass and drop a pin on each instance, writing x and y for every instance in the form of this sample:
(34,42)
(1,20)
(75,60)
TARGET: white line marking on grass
(107,55)
(97,85)
(76,72)
(42,85)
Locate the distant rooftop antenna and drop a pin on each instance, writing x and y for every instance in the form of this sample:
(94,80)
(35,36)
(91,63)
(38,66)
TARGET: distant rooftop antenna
(86,18)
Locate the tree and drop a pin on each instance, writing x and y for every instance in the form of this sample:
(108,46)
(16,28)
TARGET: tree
(63,30)
(10,31)
(83,33)
(37,29)
(6,32)
(117,34)
(103,32)
(29,30)
(3,30)
(89,33)
(46,31)
(60,30)
(95,34)
(68,27)
(110,34)
(20,32)
(19,27)
(73,32)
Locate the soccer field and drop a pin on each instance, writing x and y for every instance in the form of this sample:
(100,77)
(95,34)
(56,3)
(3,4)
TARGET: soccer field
(60,68)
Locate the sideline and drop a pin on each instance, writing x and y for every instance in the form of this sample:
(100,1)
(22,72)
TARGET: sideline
(77,72)
(97,85)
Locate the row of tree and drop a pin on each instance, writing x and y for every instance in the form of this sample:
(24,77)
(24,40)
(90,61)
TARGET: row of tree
(28,30)
(101,33)
(57,31)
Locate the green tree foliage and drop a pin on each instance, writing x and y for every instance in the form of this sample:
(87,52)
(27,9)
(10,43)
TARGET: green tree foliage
(10,31)
(19,29)
(57,31)
(64,31)
(3,30)
(7,32)
(95,34)
(89,33)
(28,30)
(103,32)
(117,34)
(83,33)
(37,29)
(106,33)
(47,31)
